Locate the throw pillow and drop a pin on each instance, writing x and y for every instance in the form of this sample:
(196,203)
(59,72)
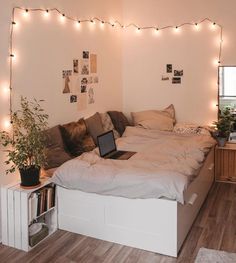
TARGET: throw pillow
(55,150)
(94,126)
(108,125)
(76,137)
(162,120)
(119,121)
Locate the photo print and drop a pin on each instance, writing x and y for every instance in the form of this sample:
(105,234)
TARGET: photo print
(66,74)
(73,98)
(165,78)
(176,80)
(178,73)
(82,102)
(169,68)
(93,63)
(83,89)
(84,81)
(84,67)
(76,66)
(86,54)
(95,79)
(91,96)
(90,80)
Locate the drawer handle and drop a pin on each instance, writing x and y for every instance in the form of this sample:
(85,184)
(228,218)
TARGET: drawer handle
(192,199)
(210,168)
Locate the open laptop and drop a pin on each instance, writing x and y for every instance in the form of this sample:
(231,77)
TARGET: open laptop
(107,147)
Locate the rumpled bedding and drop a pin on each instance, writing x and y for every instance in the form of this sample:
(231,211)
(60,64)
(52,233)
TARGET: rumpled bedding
(164,165)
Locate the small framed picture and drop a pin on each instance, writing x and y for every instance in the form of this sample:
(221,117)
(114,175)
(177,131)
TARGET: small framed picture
(85,54)
(164,78)
(176,80)
(73,98)
(76,66)
(83,89)
(178,73)
(169,68)
(84,81)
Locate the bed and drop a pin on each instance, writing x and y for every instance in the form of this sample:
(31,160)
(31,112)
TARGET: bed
(93,201)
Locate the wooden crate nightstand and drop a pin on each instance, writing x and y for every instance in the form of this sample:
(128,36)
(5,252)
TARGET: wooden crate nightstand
(225,163)
(16,211)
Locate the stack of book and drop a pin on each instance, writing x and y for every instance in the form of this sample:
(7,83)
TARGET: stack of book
(41,201)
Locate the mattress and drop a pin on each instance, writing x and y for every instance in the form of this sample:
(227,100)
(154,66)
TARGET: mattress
(164,166)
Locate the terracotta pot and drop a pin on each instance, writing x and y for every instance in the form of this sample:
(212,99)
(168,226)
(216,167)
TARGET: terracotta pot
(30,176)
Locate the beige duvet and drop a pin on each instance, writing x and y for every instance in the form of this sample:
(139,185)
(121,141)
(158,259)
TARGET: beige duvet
(164,165)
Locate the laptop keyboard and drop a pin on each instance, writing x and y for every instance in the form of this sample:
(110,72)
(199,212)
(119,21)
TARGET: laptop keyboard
(117,154)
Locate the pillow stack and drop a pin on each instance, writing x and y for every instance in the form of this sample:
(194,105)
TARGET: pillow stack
(64,142)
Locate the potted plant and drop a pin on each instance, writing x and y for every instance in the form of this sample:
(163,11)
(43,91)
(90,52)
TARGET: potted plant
(25,142)
(223,127)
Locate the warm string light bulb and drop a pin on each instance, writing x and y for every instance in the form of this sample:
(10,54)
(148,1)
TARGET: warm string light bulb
(6,123)
(5,90)
(214,105)
(92,24)
(15,25)
(216,62)
(13,57)
(213,26)
(25,14)
(197,27)
(78,24)
(62,18)
(138,30)
(156,32)
(102,25)
(46,14)
(177,29)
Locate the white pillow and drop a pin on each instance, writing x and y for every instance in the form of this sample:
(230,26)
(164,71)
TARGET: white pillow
(155,119)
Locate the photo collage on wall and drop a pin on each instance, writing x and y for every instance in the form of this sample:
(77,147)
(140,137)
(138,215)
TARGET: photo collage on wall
(82,80)
(178,74)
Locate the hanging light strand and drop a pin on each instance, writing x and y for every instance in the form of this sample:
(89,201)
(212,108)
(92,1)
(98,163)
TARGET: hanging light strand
(104,22)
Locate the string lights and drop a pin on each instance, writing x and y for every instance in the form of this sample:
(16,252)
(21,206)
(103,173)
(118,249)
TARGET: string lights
(63,17)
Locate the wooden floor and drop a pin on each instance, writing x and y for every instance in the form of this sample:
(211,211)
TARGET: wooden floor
(215,227)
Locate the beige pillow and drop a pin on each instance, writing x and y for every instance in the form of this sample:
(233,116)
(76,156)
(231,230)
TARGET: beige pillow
(155,119)
(108,125)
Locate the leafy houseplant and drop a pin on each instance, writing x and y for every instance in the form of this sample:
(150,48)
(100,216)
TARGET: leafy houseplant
(223,125)
(25,142)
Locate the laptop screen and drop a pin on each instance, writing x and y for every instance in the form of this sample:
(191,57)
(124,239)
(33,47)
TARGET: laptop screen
(106,143)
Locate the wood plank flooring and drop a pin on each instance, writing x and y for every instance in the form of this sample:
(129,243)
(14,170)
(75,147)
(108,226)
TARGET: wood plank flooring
(215,227)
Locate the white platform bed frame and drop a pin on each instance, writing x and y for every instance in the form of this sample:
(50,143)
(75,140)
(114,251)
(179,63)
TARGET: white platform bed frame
(157,225)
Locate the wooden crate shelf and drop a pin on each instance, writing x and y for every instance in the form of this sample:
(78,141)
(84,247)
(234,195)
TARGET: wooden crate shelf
(225,163)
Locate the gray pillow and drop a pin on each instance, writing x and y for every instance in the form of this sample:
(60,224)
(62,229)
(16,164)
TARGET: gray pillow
(119,121)
(94,126)
(55,151)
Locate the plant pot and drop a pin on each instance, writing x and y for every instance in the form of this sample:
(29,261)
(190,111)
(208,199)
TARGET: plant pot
(30,176)
(221,141)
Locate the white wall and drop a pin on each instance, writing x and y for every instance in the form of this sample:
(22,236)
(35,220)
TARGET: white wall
(145,56)
(44,48)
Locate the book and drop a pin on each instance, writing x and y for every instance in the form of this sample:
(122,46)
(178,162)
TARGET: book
(34,205)
(41,201)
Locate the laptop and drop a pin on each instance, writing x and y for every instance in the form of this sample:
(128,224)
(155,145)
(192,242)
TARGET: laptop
(107,147)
